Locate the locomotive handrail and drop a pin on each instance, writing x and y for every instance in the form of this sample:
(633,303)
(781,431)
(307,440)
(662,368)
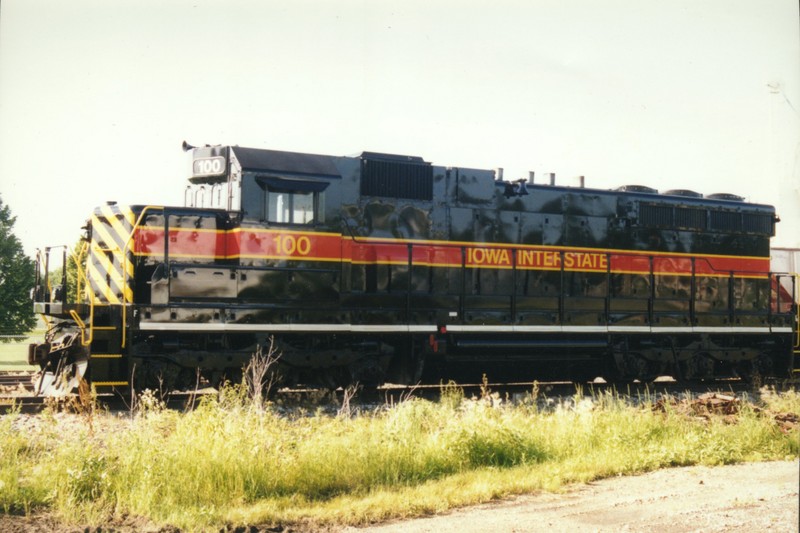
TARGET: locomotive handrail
(125,266)
(350,231)
(794,309)
(796,277)
(47,287)
(650,273)
(82,274)
(81,277)
(82,325)
(45,282)
(709,266)
(91,297)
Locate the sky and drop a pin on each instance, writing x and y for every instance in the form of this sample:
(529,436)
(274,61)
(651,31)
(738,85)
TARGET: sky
(97,96)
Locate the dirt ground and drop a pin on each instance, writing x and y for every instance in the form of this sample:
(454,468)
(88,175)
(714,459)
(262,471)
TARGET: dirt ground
(738,498)
(749,497)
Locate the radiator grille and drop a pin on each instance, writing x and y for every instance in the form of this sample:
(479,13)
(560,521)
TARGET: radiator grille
(726,221)
(655,215)
(757,223)
(686,217)
(396,179)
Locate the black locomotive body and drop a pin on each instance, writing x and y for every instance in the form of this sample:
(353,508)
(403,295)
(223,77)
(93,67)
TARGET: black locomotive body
(381,268)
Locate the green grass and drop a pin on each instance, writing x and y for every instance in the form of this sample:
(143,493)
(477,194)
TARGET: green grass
(229,463)
(14,354)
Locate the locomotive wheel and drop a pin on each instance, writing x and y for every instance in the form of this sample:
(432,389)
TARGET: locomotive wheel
(699,366)
(754,370)
(221,378)
(366,370)
(162,377)
(333,378)
(632,366)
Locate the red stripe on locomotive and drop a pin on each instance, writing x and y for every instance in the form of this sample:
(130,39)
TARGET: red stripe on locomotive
(244,242)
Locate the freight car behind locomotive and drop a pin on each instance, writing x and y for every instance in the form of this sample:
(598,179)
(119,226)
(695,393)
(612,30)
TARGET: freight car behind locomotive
(380,267)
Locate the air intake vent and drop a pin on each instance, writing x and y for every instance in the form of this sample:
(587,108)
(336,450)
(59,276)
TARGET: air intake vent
(758,223)
(683,192)
(686,217)
(637,188)
(655,215)
(726,196)
(726,221)
(392,176)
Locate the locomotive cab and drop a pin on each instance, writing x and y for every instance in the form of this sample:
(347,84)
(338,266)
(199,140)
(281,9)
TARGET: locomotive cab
(215,181)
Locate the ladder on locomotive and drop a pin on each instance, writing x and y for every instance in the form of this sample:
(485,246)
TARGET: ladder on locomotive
(101,328)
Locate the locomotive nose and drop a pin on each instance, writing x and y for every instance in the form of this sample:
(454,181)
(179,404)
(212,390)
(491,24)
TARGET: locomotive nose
(64,361)
(61,383)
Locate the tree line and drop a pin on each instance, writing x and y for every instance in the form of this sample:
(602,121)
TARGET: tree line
(16,281)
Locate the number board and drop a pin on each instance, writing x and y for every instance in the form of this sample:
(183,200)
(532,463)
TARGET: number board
(209,166)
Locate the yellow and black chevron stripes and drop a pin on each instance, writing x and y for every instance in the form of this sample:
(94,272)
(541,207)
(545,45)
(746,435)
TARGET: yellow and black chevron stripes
(110,270)
(100,277)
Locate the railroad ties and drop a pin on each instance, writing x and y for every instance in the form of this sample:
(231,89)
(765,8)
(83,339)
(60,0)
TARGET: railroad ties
(17,393)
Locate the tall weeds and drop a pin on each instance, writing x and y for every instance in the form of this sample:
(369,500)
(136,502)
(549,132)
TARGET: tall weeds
(235,460)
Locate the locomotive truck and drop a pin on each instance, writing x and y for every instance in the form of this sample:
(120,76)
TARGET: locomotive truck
(386,268)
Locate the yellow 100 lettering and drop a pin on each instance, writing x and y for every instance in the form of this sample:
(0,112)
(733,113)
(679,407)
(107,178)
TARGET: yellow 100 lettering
(290,245)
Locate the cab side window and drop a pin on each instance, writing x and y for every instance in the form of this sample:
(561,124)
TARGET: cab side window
(292,201)
(291,208)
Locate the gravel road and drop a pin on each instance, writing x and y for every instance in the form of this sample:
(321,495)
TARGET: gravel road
(738,498)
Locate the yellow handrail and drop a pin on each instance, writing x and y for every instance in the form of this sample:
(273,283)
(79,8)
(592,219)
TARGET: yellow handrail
(90,297)
(82,326)
(125,265)
(72,312)
(82,275)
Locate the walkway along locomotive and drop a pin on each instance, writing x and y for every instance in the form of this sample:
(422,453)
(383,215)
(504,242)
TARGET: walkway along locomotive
(384,268)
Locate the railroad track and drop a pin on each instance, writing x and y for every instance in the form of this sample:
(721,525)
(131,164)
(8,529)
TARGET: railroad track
(519,392)
(16,392)
(15,379)
(22,404)
(12,395)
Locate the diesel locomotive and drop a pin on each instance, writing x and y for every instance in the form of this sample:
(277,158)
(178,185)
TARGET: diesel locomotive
(385,268)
